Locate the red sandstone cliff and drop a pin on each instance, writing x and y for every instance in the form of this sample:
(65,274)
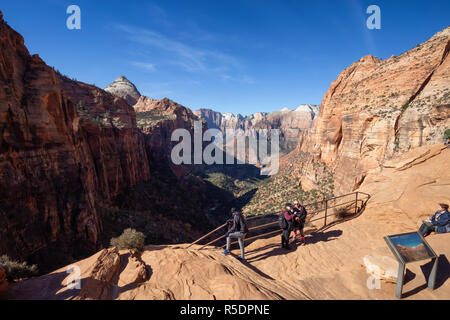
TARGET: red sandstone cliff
(66,148)
(377,109)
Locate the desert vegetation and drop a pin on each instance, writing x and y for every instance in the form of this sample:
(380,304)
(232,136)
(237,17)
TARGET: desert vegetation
(129,239)
(17,270)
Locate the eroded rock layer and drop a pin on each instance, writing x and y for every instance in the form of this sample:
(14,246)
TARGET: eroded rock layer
(65,149)
(290,122)
(377,109)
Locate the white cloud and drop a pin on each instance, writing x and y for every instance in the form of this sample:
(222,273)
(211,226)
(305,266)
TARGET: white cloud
(190,58)
(149,67)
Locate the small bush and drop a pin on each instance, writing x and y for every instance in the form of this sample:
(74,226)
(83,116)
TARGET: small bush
(129,239)
(17,270)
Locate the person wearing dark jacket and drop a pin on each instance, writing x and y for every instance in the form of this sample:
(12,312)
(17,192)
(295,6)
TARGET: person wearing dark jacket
(237,230)
(439,222)
(289,214)
(299,220)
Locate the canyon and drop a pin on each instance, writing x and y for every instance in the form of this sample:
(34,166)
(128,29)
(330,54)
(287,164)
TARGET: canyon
(329,266)
(78,164)
(71,156)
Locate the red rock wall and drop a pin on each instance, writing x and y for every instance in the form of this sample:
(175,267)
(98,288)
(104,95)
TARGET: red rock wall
(377,109)
(58,162)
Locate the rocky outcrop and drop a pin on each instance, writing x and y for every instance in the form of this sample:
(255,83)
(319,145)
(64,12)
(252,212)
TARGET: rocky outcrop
(66,149)
(158,119)
(125,89)
(3,281)
(377,109)
(98,284)
(290,122)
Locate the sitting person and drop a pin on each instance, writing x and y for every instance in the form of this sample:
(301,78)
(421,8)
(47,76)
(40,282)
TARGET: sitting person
(439,222)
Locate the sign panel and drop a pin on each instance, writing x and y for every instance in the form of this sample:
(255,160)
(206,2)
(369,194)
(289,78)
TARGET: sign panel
(410,247)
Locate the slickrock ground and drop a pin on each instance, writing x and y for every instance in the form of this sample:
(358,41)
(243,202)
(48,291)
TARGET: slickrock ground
(329,266)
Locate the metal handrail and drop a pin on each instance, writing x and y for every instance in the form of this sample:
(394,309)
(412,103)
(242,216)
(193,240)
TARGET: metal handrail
(312,214)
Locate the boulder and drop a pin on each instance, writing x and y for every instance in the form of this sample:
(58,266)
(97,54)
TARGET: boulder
(381,267)
(134,271)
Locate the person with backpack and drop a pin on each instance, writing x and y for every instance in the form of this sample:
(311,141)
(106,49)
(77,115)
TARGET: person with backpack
(299,220)
(238,229)
(439,222)
(285,221)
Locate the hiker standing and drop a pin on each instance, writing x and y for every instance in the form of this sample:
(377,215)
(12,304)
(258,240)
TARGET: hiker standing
(439,222)
(238,230)
(447,138)
(286,224)
(299,220)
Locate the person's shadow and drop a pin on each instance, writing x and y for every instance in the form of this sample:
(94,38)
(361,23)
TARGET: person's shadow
(442,274)
(315,236)
(310,239)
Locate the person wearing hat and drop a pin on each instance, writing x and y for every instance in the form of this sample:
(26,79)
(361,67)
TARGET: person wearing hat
(237,228)
(289,214)
(439,222)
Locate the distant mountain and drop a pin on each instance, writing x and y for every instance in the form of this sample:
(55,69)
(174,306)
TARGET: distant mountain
(290,122)
(124,88)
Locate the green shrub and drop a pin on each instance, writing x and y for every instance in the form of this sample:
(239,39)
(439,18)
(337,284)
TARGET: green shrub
(17,270)
(341,213)
(129,239)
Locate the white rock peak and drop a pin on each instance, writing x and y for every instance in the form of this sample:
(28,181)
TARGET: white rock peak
(124,88)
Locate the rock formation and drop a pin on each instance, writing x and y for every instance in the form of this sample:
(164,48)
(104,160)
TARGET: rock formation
(377,109)
(290,122)
(332,264)
(159,118)
(123,88)
(71,156)
(66,148)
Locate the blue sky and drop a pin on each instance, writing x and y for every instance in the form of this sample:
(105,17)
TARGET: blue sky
(240,56)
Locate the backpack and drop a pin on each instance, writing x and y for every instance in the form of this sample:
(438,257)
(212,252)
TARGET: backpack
(303,214)
(282,222)
(242,220)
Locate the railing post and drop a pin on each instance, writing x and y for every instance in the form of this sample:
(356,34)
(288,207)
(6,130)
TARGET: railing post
(356,203)
(326,210)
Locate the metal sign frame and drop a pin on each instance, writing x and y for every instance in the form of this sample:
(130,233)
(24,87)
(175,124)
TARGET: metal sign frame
(402,262)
